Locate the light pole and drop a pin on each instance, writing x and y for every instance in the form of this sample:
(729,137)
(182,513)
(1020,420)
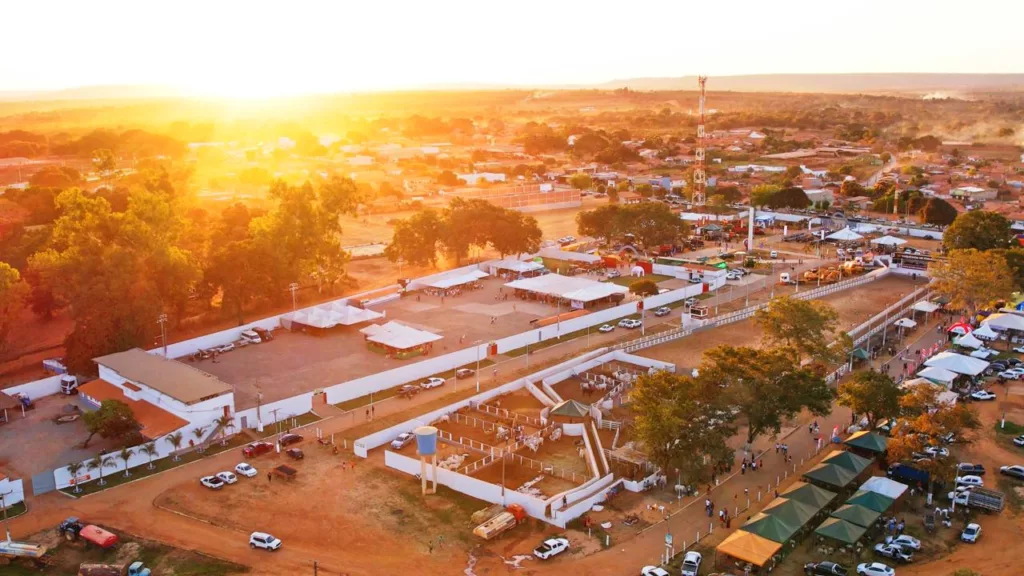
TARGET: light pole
(162,321)
(293,287)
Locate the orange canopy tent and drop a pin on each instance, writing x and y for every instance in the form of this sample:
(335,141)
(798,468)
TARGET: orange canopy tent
(749,547)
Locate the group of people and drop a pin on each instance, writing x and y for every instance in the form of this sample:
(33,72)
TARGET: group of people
(781,448)
(894,528)
(753,465)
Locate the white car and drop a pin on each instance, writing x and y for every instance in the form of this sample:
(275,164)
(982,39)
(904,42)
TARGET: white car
(893,552)
(875,569)
(691,301)
(606,328)
(691,563)
(907,541)
(551,547)
(614,274)
(653,571)
(212,482)
(1019,349)
(971,533)
(432,383)
(936,451)
(773,254)
(969,480)
(264,541)
(227,477)
(402,441)
(1011,374)
(1016,471)
(246,470)
(223,348)
(983,395)
(1019,440)
(695,280)
(663,311)
(630,323)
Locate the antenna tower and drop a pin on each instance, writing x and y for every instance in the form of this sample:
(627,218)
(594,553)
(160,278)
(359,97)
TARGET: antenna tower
(700,177)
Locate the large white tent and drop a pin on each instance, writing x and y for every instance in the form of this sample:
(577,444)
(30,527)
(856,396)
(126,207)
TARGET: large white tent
(957,363)
(936,374)
(884,486)
(1000,321)
(568,287)
(865,228)
(969,341)
(985,333)
(845,235)
(334,314)
(519,266)
(398,336)
(456,279)
(888,241)
(926,306)
(567,256)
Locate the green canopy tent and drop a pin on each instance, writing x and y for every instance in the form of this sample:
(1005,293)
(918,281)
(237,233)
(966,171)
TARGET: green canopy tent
(871,500)
(848,460)
(867,441)
(809,494)
(771,527)
(830,475)
(857,514)
(860,354)
(792,512)
(840,530)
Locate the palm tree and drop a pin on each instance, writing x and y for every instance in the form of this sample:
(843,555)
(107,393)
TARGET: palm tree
(198,433)
(99,463)
(223,423)
(126,455)
(74,468)
(149,450)
(175,441)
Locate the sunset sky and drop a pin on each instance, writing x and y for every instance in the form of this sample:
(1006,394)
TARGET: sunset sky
(257,48)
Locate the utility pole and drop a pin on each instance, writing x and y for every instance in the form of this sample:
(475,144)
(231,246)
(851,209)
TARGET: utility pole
(259,418)
(162,321)
(315,566)
(293,287)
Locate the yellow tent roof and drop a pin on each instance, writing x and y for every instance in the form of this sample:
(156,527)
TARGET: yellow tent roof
(749,547)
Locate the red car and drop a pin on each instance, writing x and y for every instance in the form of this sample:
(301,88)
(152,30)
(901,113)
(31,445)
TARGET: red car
(257,448)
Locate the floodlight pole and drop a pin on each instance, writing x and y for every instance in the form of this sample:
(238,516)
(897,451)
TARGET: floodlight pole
(292,288)
(162,320)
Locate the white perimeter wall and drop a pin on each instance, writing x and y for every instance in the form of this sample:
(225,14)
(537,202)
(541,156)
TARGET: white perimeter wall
(37,388)
(286,408)
(13,491)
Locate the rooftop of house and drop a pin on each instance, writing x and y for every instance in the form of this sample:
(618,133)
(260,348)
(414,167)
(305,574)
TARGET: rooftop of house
(155,421)
(175,379)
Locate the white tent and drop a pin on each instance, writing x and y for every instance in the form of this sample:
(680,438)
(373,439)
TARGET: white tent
(926,306)
(985,333)
(884,486)
(865,228)
(936,374)
(334,314)
(567,256)
(568,287)
(519,266)
(844,235)
(906,323)
(957,363)
(457,279)
(1001,321)
(398,336)
(888,241)
(969,341)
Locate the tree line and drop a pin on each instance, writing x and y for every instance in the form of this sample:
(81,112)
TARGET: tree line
(650,223)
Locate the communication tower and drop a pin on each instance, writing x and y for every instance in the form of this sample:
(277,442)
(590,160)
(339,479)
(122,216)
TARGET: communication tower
(700,177)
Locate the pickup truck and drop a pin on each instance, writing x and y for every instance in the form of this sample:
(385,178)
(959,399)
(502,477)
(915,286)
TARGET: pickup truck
(966,468)
(978,497)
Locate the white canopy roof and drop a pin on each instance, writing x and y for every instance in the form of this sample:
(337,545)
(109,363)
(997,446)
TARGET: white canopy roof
(957,363)
(926,306)
(934,373)
(1005,321)
(884,486)
(517,265)
(568,287)
(845,235)
(556,254)
(889,241)
(968,341)
(457,279)
(865,228)
(985,333)
(906,323)
(398,336)
(333,314)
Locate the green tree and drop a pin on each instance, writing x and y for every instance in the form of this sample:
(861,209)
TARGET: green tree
(851,188)
(643,287)
(198,432)
(600,222)
(513,232)
(938,211)
(581,181)
(807,326)
(448,178)
(682,421)
(59,177)
(791,197)
(768,386)
(972,279)
(977,229)
(1015,261)
(99,463)
(73,469)
(175,439)
(871,394)
(12,301)
(113,420)
(653,223)
(125,455)
(763,194)
(645,190)
(149,449)
(417,239)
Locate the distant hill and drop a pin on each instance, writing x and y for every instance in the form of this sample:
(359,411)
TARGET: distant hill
(128,92)
(832,83)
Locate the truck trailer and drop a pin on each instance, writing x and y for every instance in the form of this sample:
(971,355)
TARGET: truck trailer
(501,522)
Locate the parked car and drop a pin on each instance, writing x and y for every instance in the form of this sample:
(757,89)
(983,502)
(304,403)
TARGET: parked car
(223,348)
(432,382)
(289,439)
(969,480)
(907,541)
(773,254)
(246,470)
(875,569)
(968,469)
(691,301)
(894,552)
(1016,471)
(825,569)
(1011,374)
(606,328)
(257,448)
(227,477)
(212,482)
(695,280)
(663,311)
(1019,440)
(551,547)
(464,373)
(653,571)
(630,323)
(936,451)
(403,440)
(295,453)
(1019,349)
(263,541)
(983,395)
(614,274)
(971,533)
(691,563)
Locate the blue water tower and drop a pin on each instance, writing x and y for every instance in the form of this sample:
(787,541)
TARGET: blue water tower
(426,447)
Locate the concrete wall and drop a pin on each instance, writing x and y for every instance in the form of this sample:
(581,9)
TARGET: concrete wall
(37,388)
(285,409)
(601,487)
(13,491)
